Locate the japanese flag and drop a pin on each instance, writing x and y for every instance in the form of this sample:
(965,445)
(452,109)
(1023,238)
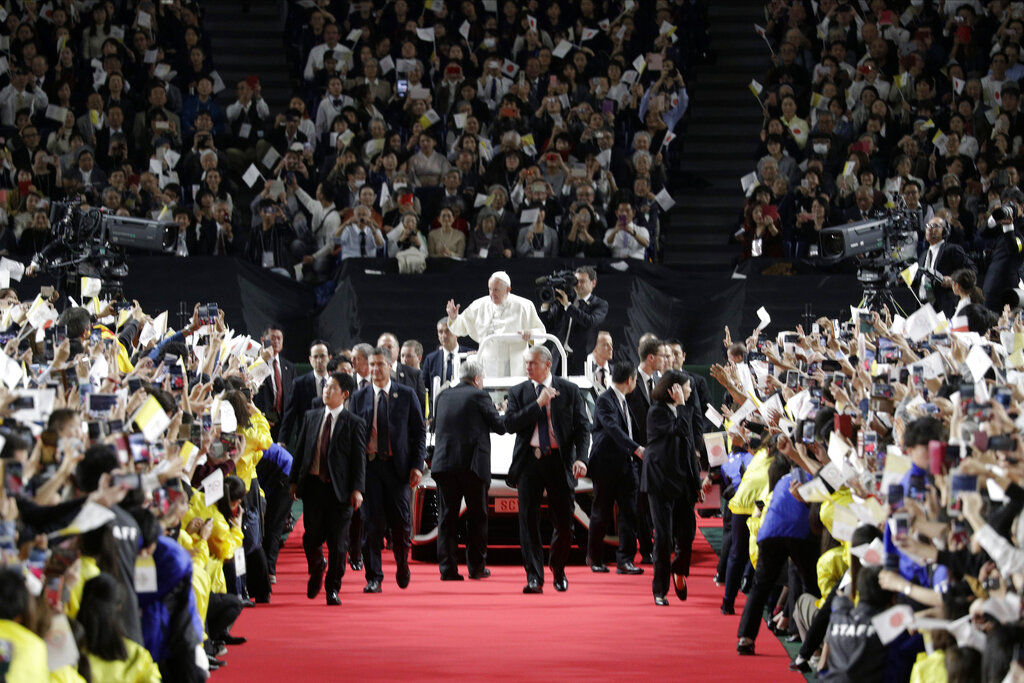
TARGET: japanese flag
(892,622)
(509,68)
(718,454)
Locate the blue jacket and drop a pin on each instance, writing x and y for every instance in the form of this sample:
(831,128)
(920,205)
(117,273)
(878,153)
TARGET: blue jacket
(167,617)
(734,467)
(786,517)
(908,568)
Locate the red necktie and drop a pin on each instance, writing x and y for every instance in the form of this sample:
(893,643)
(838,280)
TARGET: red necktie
(325,445)
(278,394)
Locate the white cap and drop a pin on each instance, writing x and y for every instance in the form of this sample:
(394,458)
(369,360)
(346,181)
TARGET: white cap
(501,275)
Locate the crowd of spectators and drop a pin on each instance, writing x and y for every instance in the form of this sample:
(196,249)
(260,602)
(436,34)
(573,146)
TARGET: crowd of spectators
(879,460)
(480,130)
(868,102)
(488,111)
(128,519)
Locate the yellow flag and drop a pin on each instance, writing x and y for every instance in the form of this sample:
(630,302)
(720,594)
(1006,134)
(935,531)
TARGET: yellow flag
(908,274)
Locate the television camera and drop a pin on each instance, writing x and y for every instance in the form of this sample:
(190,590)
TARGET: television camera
(564,280)
(882,248)
(91,242)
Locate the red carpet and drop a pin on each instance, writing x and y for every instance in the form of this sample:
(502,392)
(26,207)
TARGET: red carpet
(605,627)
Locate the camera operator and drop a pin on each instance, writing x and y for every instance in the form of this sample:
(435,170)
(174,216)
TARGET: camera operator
(1006,249)
(939,261)
(576,322)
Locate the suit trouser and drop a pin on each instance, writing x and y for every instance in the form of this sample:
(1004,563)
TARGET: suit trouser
(739,558)
(452,487)
(675,525)
(723,555)
(326,520)
(772,554)
(644,525)
(616,488)
(355,533)
(540,474)
(387,497)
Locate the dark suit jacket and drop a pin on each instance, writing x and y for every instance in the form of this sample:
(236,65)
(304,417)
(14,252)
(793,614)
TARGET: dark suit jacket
(639,405)
(699,399)
(464,421)
(412,378)
(950,259)
(405,424)
(568,419)
(433,366)
(346,459)
(303,395)
(611,448)
(670,461)
(264,398)
(586,321)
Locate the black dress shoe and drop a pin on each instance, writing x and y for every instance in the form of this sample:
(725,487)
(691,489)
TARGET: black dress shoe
(800,665)
(561,583)
(745,585)
(533,587)
(661,600)
(229,639)
(372,587)
(402,576)
(452,577)
(725,609)
(599,569)
(794,638)
(680,590)
(249,603)
(316,580)
(628,568)
(482,574)
(332,598)
(357,565)
(745,648)
(646,559)
(216,663)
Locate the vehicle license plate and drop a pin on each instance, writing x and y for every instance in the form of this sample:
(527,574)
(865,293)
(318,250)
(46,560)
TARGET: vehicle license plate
(506,506)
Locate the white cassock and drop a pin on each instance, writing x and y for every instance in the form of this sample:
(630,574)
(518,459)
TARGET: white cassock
(483,318)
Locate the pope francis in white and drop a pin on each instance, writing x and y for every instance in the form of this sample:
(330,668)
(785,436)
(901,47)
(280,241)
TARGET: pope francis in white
(501,312)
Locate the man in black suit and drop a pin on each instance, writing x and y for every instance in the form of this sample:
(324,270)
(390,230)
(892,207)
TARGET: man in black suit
(329,476)
(552,438)
(395,449)
(576,325)
(444,362)
(273,394)
(940,260)
(611,469)
(462,469)
(306,391)
(700,396)
(403,374)
(639,402)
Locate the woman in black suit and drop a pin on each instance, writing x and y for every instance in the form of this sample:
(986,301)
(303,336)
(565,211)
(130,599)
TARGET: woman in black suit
(671,479)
